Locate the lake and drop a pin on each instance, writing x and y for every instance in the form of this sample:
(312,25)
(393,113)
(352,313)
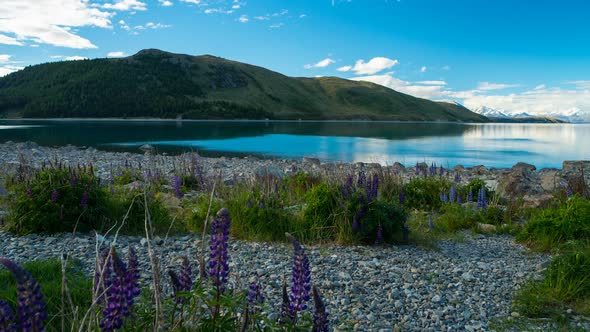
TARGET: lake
(449,144)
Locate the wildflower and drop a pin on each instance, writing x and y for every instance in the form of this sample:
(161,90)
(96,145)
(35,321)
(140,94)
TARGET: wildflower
(320,315)
(470,195)
(444,198)
(286,313)
(441,171)
(182,282)
(453,194)
(482,202)
(84,200)
(30,307)
(29,190)
(568,192)
(379,237)
(402,197)
(249,203)
(178,187)
(132,277)
(372,193)
(255,297)
(362,179)
(301,280)
(457,177)
(54,195)
(432,170)
(430,222)
(219,259)
(7,319)
(459,199)
(261,204)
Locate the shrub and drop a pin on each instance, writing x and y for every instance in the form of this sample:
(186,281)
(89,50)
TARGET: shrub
(131,206)
(57,199)
(455,217)
(553,227)
(423,193)
(474,186)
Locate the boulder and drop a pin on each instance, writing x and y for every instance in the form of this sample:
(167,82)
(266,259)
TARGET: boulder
(310,160)
(520,181)
(524,166)
(479,170)
(398,166)
(576,167)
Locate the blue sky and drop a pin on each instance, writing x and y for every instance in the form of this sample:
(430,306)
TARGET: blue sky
(518,56)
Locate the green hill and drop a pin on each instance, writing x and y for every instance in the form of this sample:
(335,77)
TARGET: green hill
(153,83)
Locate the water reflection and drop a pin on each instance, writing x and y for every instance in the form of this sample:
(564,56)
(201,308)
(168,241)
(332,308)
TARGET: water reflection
(496,145)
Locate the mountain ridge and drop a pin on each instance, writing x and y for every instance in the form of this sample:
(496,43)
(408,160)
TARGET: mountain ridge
(159,84)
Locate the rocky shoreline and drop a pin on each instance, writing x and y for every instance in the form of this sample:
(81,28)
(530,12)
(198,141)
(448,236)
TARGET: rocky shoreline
(464,285)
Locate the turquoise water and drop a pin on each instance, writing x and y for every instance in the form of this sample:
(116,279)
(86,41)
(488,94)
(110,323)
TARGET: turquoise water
(493,145)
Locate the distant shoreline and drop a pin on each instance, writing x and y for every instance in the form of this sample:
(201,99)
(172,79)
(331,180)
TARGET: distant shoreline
(265,120)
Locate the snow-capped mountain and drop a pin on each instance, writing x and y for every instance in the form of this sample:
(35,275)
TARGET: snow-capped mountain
(490,112)
(573,115)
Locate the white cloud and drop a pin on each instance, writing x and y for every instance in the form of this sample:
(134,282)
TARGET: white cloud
(4,58)
(580,84)
(320,64)
(50,22)
(152,25)
(374,65)
(495,86)
(432,82)
(540,87)
(165,3)
(344,68)
(75,57)
(276,26)
(423,69)
(125,5)
(195,2)
(235,7)
(302,16)
(5,70)
(243,19)
(423,91)
(9,40)
(116,54)
(262,18)
(446,68)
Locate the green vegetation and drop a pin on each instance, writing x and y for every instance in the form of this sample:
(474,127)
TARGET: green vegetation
(154,83)
(49,274)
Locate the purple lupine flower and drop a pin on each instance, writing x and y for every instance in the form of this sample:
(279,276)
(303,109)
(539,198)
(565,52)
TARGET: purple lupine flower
(132,277)
(29,190)
(30,307)
(441,171)
(362,179)
(261,204)
(470,195)
(568,192)
(459,199)
(430,222)
(182,282)
(453,194)
(7,319)
(286,313)
(432,170)
(355,222)
(320,315)
(402,197)
(178,187)
(301,286)
(379,237)
(249,203)
(255,297)
(84,200)
(482,202)
(219,259)
(372,194)
(417,170)
(405,233)
(457,177)
(444,198)
(198,169)
(54,195)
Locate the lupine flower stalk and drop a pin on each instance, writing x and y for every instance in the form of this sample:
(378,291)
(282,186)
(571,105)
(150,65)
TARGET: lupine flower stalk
(568,192)
(84,199)
(430,222)
(30,306)
(219,259)
(470,195)
(181,282)
(320,315)
(453,194)
(255,298)
(178,187)
(301,285)
(457,177)
(54,196)
(482,202)
(7,319)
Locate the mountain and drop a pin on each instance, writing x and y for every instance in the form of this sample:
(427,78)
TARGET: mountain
(490,112)
(574,115)
(496,115)
(154,83)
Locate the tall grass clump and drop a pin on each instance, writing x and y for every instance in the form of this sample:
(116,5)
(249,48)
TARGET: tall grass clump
(56,198)
(552,227)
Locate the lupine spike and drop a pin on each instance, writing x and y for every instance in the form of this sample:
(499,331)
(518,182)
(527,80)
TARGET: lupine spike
(54,196)
(178,187)
(286,313)
(219,259)
(402,197)
(430,222)
(301,287)
(7,319)
(320,316)
(470,195)
(453,194)
(30,304)
(84,199)
(568,192)
(255,297)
